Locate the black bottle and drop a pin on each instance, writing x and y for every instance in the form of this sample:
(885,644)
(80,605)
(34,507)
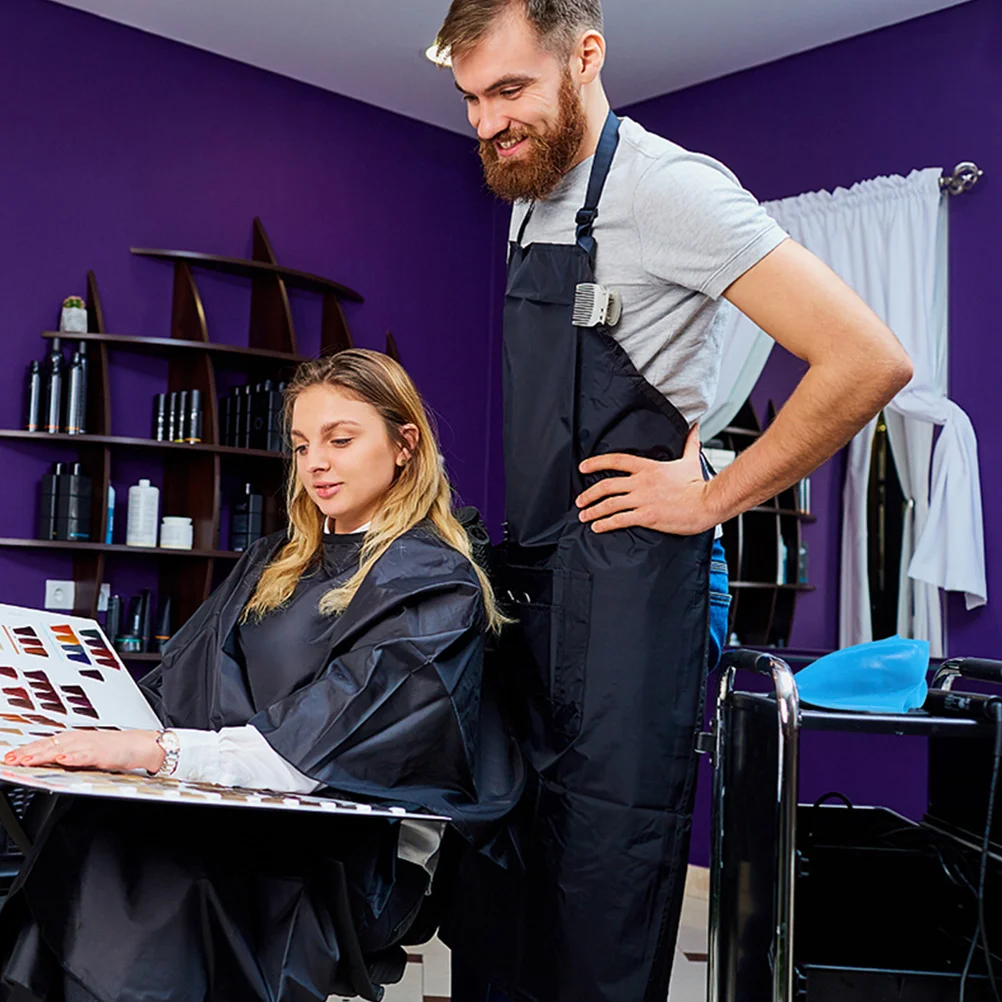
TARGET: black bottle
(226,419)
(193,431)
(73,506)
(113,621)
(257,436)
(130,637)
(274,439)
(237,416)
(247,520)
(163,633)
(47,507)
(160,417)
(248,417)
(54,388)
(172,418)
(146,619)
(75,388)
(84,386)
(180,426)
(34,422)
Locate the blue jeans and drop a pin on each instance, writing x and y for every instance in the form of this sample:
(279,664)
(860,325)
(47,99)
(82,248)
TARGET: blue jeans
(720,604)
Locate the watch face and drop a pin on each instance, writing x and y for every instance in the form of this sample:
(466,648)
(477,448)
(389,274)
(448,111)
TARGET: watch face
(169,742)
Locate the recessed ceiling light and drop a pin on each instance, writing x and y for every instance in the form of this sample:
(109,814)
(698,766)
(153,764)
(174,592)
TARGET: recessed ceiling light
(439,59)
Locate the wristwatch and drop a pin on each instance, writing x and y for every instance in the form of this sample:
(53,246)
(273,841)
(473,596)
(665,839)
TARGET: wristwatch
(171,745)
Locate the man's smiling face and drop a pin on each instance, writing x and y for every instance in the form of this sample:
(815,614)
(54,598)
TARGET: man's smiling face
(525,108)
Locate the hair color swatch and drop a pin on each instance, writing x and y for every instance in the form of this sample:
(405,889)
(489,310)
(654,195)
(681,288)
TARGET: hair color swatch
(30,641)
(80,701)
(45,692)
(99,649)
(68,644)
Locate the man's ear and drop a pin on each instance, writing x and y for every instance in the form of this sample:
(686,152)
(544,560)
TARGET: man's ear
(589,57)
(411,436)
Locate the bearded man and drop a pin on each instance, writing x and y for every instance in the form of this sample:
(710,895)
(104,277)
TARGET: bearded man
(622,247)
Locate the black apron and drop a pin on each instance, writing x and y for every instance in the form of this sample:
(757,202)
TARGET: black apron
(610,647)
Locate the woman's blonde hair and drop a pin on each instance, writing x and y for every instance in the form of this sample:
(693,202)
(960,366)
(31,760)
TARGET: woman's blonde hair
(420,491)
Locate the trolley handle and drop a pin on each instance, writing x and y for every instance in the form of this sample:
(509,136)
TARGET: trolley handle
(756,661)
(981,669)
(762,664)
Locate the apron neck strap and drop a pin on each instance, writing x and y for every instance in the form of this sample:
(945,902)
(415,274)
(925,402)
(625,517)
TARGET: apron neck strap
(525,223)
(607,145)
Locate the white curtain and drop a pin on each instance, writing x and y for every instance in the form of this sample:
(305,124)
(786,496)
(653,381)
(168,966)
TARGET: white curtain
(887,239)
(745,350)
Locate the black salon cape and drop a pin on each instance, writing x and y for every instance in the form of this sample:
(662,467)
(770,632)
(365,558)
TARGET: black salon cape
(184,903)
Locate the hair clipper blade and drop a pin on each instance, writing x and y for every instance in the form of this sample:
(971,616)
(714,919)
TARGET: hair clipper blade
(595,305)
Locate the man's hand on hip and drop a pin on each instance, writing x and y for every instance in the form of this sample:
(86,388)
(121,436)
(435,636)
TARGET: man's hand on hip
(669,497)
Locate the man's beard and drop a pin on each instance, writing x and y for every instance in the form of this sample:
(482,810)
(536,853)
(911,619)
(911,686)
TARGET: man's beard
(535,173)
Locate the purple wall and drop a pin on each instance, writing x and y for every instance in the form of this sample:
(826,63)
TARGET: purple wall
(925,93)
(111,138)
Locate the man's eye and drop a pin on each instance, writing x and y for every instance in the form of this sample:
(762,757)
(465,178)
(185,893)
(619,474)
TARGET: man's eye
(511,93)
(469,99)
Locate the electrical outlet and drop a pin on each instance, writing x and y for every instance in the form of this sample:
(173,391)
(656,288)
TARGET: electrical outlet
(60,595)
(103,597)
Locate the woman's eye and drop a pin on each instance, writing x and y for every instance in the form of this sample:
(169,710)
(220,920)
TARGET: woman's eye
(300,450)
(341,442)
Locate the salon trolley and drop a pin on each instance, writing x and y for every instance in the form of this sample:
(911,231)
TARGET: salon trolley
(823,902)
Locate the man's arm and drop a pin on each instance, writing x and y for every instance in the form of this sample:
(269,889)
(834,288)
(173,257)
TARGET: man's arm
(856,366)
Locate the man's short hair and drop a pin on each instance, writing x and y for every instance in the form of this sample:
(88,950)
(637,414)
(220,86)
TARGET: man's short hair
(558,23)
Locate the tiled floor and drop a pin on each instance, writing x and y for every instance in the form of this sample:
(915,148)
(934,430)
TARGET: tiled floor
(427,978)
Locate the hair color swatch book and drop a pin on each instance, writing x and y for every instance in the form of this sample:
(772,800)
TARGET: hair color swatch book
(59,672)
(129,786)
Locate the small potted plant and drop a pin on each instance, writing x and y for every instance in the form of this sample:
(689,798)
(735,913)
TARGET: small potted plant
(74,316)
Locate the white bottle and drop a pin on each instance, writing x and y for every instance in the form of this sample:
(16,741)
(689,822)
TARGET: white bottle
(783,556)
(144,515)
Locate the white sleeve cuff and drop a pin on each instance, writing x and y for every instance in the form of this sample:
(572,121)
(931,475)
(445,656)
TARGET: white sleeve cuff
(237,756)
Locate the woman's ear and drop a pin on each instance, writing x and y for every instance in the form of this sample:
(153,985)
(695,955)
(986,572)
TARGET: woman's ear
(411,436)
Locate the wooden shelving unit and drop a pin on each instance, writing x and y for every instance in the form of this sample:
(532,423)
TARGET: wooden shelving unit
(171,346)
(192,473)
(38,438)
(761,610)
(134,551)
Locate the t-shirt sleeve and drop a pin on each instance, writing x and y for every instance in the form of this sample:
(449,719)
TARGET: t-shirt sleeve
(698,227)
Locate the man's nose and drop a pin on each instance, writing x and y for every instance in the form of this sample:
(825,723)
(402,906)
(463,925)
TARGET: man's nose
(492,123)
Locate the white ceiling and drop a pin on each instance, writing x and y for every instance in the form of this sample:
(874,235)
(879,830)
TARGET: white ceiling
(372,50)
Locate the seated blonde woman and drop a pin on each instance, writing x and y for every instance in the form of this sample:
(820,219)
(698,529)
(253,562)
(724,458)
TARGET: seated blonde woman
(344,656)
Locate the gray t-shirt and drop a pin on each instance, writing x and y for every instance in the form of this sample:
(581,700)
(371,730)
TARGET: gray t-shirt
(674,230)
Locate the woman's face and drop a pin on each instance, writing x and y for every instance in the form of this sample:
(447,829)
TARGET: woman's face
(344,456)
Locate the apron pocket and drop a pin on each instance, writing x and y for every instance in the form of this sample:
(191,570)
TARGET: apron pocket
(548,646)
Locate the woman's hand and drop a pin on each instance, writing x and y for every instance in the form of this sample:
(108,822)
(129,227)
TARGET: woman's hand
(111,751)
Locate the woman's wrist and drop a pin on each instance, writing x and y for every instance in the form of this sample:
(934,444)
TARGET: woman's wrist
(155,755)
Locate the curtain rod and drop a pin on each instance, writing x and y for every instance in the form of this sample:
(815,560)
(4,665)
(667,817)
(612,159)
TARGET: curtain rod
(965,176)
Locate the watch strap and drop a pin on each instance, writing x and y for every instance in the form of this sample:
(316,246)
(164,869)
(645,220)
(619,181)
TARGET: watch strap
(168,742)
